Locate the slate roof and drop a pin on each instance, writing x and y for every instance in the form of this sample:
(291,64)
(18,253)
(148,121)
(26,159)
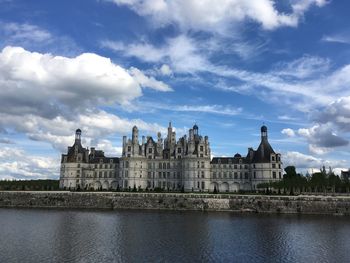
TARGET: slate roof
(262,154)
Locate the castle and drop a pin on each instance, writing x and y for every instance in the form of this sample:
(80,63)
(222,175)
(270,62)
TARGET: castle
(177,165)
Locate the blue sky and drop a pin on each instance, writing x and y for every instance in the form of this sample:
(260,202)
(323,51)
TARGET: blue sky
(229,66)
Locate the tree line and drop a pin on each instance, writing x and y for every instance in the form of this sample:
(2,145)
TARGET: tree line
(29,185)
(319,182)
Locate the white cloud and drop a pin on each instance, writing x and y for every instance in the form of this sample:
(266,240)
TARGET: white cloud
(28,32)
(96,126)
(214,16)
(15,163)
(289,132)
(181,53)
(210,108)
(48,97)
(304,67)
(108,148)
(63,83)
(299,83)
(148,82)
(322,138)
(336,113)
(305,162)
(340,38)
(165,70)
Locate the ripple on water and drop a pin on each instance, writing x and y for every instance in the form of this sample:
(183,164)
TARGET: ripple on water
(153,236)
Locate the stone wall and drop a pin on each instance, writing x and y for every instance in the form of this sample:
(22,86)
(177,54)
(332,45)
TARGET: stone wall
(339,205)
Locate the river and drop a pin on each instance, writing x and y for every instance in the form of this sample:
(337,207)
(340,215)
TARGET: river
(41,235)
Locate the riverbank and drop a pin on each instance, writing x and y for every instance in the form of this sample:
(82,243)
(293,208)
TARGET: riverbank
(335,205)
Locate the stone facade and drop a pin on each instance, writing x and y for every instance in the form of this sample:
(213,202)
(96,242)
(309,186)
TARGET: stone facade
(170,164)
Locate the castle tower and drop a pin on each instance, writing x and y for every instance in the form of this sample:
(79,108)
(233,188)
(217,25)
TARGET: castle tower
(78,136)
(263,133)
(195,130)
(135,135)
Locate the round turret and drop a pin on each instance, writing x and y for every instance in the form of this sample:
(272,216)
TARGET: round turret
(195,127)
(263,132)
(237,155)
(77,134)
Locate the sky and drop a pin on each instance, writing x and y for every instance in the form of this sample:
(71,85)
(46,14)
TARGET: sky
(229,66)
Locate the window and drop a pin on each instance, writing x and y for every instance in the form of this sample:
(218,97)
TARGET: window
(203,185)
(168,166)
(202,164)
(149,150)
(273,165)
(246,175)
(274,175)
(235,166)
(160,166)
(201,148)
(129,148)
(273,158)
(214,174)
(235,175)
(202,174)
(178,150)
(254,174)
(126,164)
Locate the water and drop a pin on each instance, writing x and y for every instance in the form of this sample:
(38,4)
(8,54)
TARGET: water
(152,236)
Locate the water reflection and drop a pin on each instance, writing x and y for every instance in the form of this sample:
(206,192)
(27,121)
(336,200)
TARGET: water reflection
(153,236)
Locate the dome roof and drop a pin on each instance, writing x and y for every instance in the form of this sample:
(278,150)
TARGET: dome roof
(237,155)
(263,128)
(78,131)
(195,127)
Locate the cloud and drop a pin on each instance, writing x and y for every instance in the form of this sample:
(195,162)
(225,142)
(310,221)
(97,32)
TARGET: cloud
(336,113)
(322,136)
(148,82)
(289,132)
(211,108)
(181,53)
(20,32)
(298,83)
(206,15)
(19,164)
(47,97)
(165,70)
(96,125)
(305,162)
(341,38)
(34,37)
(304,67)
(65,84)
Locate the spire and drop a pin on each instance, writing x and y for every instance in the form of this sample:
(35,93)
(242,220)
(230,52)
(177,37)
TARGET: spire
(195,129)
(78,135)
(263,133)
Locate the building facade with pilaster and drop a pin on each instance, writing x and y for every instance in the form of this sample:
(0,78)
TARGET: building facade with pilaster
(171,164)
